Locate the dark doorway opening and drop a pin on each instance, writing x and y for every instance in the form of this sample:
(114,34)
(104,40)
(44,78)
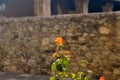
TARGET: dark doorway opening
(65,5)
(96,5)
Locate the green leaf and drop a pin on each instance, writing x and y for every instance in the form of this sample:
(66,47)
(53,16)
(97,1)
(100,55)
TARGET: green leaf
(86,78)
(60,73)
(73,75)
(59,61)
(66,63)
(53,67)
(52,78)
(80,75)
(65,74)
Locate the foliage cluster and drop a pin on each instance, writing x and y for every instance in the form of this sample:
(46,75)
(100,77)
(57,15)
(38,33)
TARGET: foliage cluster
(61,66)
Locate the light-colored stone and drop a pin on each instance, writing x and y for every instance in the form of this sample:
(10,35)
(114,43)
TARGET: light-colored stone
(116,71)
(6,62)
(23,61)
(104,30)
(69,34)
(103,38)
(31,62)
(107,72)
(84,48)
(13,68)
(44,29)
(92,35)
(56,27)
(45,41)
(85,34)
(82,40)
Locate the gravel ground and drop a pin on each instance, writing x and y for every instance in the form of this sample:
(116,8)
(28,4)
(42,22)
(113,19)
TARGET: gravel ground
(12,76)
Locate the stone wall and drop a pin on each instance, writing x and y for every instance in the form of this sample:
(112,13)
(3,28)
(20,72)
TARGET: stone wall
(26,43)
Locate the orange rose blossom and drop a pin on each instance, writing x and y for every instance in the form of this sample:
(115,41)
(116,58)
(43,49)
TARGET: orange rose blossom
(59,41)
(102,78)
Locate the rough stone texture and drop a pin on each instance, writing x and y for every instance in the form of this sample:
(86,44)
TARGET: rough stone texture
(26,44)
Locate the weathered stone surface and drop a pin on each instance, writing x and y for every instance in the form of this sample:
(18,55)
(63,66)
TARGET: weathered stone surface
(31,62)
(13,68)
(104,30)
(26,44)
(6,62)
(75,69)
(116,71)
(44,29)
(45,41)
(107,72)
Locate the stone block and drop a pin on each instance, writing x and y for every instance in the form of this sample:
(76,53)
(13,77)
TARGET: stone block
(104,30)
(31,62)
(116,71)
(45,41)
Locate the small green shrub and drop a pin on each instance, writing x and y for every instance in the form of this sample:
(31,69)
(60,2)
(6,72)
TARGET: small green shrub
(61,66)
